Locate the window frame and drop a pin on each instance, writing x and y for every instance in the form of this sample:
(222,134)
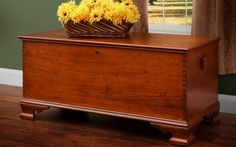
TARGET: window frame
(171,28)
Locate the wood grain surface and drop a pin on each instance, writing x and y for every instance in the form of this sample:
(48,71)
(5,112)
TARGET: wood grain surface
(106,78)
(202,79)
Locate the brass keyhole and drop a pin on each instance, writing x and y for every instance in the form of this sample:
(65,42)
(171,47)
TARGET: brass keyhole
(98,52)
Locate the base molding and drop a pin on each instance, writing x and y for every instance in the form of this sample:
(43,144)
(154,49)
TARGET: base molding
(104,112)
(181,131)
(182,136)
(29,110)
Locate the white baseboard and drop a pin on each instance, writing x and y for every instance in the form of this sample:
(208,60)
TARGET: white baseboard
(14,77)
(11,77)
(227,103)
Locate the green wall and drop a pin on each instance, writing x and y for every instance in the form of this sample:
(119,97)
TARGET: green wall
(227,84)
(22,17)
(27,16)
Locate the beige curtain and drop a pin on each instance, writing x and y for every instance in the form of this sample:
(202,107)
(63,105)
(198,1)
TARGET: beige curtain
(142,24)
(218,18)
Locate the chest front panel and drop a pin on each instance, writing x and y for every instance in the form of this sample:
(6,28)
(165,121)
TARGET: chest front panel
(148,83)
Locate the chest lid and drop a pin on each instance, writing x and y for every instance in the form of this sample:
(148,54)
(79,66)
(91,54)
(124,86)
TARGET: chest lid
(138,41)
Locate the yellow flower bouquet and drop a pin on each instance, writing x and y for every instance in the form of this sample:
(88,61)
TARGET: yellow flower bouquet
(98,18)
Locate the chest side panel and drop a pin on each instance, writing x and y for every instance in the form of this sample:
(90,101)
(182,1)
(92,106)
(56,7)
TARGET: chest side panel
(131,81)
(202,79)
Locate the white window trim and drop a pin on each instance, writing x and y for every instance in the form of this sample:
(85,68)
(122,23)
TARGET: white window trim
(170,29)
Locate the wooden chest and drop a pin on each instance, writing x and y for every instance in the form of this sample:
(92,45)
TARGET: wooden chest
(167,80)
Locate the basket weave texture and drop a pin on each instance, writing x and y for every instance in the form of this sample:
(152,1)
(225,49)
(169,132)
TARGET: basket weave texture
(102,28)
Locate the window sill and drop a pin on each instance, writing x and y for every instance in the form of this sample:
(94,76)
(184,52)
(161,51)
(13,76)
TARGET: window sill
(170,29)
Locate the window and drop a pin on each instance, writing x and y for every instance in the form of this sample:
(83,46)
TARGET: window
(170,16)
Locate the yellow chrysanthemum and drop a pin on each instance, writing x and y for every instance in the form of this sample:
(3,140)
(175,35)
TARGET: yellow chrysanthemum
(117,13)
(95,15)
(64,11)
(132,14)
(108,11)
(80,13)
(107,6)
(127,2)
(89,3)
(95,10)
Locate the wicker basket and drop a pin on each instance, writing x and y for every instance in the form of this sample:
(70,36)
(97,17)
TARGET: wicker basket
(102,28)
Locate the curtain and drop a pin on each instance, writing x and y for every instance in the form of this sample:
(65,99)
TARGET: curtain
(142,24)
(218,18)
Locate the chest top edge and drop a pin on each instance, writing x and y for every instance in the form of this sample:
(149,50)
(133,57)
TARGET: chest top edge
(138,41)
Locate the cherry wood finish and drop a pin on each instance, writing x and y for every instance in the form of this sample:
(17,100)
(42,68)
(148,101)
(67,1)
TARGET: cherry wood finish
(167,80)
(29,110)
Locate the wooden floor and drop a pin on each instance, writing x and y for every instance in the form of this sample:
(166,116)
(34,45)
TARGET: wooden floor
(64,128)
